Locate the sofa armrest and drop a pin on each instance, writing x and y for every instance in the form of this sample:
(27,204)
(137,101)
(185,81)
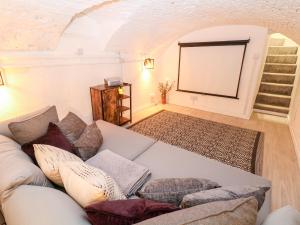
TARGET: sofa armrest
(34,205)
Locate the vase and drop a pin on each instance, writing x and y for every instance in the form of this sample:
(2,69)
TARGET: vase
(163,99)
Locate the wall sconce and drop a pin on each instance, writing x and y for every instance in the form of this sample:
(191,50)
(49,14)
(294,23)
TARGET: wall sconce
(1,78)
(149,63)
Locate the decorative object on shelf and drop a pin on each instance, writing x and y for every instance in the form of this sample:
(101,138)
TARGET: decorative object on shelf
(1,78)
(113,81)
(108,103)
(149,63)
(164,88)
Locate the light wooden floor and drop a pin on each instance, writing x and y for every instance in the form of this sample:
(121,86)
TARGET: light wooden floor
(280,164)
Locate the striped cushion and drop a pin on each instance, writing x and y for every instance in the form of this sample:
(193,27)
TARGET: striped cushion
(87,184)
(49,157)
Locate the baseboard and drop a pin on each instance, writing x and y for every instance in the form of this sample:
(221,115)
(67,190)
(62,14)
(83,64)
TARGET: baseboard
(296,144)
(142,107)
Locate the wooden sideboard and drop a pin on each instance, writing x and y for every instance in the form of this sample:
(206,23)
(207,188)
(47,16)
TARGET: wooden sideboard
(111,104)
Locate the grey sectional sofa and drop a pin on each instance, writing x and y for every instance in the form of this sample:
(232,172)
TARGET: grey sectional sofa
(33,205)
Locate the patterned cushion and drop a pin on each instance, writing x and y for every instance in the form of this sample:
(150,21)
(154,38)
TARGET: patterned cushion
(126,212)
(172,190)
(49,157)
(53,137)
(72,126)
(34,127)
(87,184)
(233,212)
(224,193)
(89,142)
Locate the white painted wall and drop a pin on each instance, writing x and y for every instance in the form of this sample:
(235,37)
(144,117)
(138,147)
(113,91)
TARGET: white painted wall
(255,55)
(63,77)
(32,84)
(294,115)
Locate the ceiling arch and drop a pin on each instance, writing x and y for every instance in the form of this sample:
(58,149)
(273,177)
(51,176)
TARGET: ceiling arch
(159,23)
(39,24)
(143,25)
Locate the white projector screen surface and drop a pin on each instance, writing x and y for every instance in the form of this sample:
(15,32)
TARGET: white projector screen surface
(211,70)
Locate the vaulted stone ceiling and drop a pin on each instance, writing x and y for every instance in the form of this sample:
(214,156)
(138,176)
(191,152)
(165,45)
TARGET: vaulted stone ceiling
(146,24)
(38,24)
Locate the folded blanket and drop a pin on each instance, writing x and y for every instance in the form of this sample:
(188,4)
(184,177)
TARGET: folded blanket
(129,175)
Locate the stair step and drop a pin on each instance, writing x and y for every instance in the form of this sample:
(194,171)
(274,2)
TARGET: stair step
(277,84)
(280,68)
(274,95)
(277,41)
(272,108)
(282,50)
(282,59)
(275,88)
(273,99)
(282,79)
(271,112)
(280,74)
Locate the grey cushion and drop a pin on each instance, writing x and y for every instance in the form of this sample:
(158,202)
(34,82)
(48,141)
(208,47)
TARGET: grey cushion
(122,141)
(16,168)
(72,126)
(234,212)
(34,127)
(33,205)
(166,161)
(225,193)
(89,142)
(284,216)
(172,190)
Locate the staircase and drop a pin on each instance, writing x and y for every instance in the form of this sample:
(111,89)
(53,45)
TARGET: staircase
(275,91)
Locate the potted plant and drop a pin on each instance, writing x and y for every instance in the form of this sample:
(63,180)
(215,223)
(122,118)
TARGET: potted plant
(164,88)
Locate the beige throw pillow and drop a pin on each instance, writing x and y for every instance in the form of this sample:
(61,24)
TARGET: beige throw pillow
(87,184)
(49,157)
(34,127)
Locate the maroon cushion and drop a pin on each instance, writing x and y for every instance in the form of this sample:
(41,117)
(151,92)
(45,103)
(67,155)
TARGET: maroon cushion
(126,212)
(53,137)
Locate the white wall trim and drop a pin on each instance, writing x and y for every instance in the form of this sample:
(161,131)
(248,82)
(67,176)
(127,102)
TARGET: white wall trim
(26,60)
(296,144)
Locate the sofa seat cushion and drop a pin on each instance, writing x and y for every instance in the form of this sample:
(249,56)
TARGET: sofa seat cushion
(167,161)
(122,141)
(33,205)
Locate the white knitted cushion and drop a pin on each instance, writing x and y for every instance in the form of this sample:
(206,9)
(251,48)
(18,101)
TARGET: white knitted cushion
(87,184)
(49,157)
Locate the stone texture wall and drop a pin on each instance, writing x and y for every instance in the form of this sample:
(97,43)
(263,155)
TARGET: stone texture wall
(38,24)
(147,24)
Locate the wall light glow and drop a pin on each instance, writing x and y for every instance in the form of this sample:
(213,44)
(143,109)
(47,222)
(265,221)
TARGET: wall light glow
(146,75)
(5,101)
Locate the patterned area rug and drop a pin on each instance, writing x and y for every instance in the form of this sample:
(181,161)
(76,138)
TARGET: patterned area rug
(231,145)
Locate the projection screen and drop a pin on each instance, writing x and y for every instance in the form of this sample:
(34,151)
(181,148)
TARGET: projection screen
(211,68)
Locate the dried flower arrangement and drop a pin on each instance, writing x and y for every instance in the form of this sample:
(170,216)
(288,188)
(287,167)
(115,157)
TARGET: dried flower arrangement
(164,88)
